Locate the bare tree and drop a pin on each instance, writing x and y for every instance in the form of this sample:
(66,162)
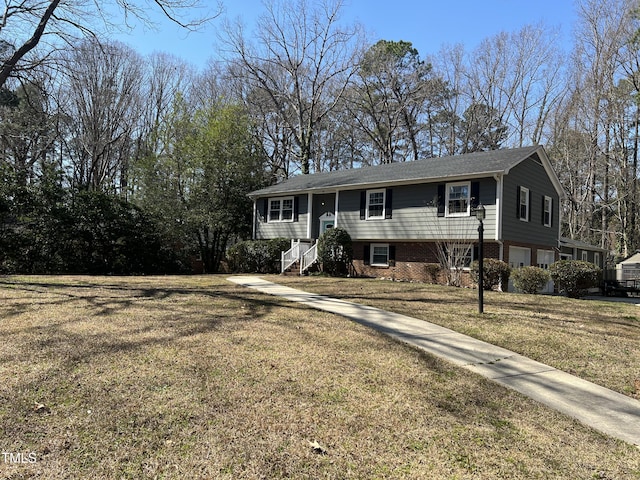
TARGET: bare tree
(103,108)
(298,67)
(26,25)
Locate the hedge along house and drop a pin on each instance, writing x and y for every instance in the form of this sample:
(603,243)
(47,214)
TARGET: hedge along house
(401,215)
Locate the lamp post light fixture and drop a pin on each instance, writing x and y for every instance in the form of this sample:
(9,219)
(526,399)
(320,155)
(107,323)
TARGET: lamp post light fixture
(480,215)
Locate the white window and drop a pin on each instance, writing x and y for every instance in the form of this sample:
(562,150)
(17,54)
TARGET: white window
(546,214)
(461,256)
(280,209)
(375,204)
(524,204)
(596,259)
(379,255)
(585,256)
(458,202)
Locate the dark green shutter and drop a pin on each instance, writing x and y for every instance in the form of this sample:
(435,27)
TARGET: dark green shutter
(367,255)
(363,205)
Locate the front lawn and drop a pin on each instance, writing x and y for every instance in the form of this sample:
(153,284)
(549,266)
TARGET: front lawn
(194,377)
(597,340)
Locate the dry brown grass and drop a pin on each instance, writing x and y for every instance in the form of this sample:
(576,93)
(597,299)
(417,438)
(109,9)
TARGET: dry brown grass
(193,377)
(597,340)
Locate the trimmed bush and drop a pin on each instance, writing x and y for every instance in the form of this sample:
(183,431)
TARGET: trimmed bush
(257,256)
(575,277)
(495,273)
(530,279)
(335,251)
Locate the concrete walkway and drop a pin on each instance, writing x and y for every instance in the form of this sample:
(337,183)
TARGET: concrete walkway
(602,409)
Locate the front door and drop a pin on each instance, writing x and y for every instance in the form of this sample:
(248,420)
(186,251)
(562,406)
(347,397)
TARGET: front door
(327,221)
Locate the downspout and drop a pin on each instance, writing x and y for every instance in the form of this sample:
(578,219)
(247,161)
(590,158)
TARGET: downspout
(255,219)
(499,212)
(309,215)
(335,210)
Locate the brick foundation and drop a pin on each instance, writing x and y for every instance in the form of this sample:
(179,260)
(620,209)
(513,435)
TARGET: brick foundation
(414,261)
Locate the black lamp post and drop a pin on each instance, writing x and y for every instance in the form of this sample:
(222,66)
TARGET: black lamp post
(480,215)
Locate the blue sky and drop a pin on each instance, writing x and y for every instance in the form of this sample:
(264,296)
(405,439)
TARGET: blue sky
(428,24)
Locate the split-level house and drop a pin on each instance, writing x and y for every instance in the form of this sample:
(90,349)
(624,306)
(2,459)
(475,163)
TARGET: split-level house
(398,214)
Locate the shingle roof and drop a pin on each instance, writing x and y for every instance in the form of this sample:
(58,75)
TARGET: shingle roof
(472,164)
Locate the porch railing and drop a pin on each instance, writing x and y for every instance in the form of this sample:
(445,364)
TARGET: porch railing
(308,258)
(290,257)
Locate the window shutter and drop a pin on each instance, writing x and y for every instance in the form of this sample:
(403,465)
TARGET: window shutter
(475,195)
(296,207)
(363,204)
(542,216)
(265,209)
(518,201)
(388,203)
(367,254)
(551,212)
(441,199)
(392,253)
(529,196)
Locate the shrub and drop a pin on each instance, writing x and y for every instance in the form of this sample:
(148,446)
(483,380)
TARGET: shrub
(530,279)
(335,251)
(575,277)
(257,256)
(495,273)
(433,271)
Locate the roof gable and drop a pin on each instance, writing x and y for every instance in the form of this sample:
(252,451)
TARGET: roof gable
(431,169)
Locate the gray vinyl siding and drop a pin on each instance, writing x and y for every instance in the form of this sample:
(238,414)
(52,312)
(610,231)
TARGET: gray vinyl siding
(414,215)
(296,229)
(532,175)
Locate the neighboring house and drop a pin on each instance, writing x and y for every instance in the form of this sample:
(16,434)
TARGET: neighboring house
(629,269)
(576,250)
(399,214)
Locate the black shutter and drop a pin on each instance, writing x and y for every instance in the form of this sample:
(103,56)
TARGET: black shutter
(265,209)
(363,205)
(475,196)
(518,201)
(441,198)
(296,208)
(542,216)
(529,206)
(392,255)
(388,203)
(367,254)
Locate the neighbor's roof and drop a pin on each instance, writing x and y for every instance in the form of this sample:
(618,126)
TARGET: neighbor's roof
(572,243)
(633,259)
(458,166)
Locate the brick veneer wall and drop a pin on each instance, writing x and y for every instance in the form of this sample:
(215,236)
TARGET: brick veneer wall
(411,262)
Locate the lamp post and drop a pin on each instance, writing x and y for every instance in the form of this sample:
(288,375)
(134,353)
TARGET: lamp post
(480,215)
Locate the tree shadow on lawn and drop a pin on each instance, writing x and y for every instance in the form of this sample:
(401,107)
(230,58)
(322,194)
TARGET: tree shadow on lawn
(125,317)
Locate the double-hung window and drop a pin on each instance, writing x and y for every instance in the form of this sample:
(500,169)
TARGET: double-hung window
(379,254)
(523,206)
(280,209)
(375,204)
(461,256)
(458,201)
(546,213)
